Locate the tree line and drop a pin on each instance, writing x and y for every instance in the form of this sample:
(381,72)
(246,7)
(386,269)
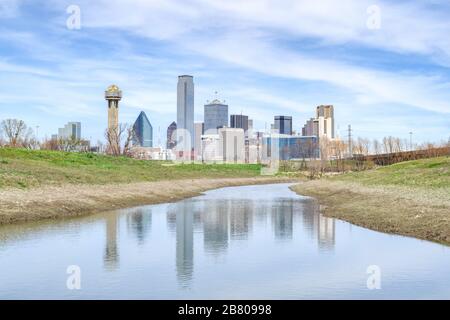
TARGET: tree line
(15,133)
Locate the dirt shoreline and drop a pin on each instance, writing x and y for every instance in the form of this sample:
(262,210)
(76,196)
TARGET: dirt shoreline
(415,212)
(76,200)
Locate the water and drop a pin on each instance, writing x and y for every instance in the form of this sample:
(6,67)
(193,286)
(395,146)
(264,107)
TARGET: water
(255,242)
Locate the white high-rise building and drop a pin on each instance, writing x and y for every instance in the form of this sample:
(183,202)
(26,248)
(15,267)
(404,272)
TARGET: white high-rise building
(232,145)
(322,125)
(185,109)
(71,130)
(325,117)
(199,130)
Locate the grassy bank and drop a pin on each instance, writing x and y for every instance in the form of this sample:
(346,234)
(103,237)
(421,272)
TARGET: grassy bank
(38,185)
(409,198)
(25,169)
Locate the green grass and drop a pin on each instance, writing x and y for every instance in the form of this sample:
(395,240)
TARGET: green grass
(429,173)
(22,168)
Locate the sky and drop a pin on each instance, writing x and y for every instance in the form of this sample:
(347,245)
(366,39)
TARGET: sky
(384,65)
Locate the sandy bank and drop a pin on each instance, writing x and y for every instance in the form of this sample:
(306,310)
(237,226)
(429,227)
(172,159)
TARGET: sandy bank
(75,200)
(418,212)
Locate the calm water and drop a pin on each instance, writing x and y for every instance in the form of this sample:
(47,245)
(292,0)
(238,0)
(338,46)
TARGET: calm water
(256,242)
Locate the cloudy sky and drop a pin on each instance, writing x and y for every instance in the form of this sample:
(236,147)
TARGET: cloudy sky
(384,65)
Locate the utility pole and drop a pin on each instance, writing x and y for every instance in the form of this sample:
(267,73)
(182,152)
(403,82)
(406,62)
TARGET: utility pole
(350,147)
(37,133)
(410,142)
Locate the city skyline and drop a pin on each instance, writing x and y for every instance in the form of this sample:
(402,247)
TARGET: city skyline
(379,88)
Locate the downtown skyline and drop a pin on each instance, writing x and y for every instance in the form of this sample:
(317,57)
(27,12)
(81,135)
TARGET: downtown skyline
(262,65)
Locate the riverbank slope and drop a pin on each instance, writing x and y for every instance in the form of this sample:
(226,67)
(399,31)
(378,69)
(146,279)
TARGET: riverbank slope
(49,184)
(409,198)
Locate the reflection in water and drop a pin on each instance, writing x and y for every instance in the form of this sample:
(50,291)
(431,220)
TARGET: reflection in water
(215,226)
(317,226)
(139,222)
(241,219)
(111,255)
(222,220)
(282,218)
(184,216)
(254,242)
(326,233)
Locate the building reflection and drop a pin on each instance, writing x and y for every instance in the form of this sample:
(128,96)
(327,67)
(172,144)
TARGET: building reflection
(222,220)
(241,219)
(283,218)
(139,222)
(215,226)
(326,233)
(184,220)
(111,254)
(317,226)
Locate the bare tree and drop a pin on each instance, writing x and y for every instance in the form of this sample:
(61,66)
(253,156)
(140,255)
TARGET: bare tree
(17,133)
(2,140)
(376,147)
(50,144)
(114,137)
(340,149)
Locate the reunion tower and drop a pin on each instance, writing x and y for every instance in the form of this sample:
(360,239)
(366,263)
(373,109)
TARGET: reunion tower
(113,95)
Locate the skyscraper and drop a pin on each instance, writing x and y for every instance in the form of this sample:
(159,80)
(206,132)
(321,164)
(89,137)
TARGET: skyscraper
(185,108)
(170,138)
(216,116)
(325,116)
(71,131)
(199,130)
(113,95)
(311,128)
(283,124)
(239,121)
(143,131)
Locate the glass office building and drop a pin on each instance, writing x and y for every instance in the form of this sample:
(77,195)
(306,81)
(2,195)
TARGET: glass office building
(293,147)
(143,132)
(283,124)
(216,116)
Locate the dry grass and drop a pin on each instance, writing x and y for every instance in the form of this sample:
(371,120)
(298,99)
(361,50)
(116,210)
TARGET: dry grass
(18,205)
(412,198)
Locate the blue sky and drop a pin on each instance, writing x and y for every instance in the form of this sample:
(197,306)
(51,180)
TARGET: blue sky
(264,57)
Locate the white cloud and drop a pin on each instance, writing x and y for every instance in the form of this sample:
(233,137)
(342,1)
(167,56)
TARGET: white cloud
(247,34)
(253,36)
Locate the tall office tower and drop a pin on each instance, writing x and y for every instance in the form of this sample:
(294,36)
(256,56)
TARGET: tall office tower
(239,121)
(325,116)
(311,128)
(113,95)
(216,116)
(170,138)
(283,124)
(71,130)
(185,108)
(199,130)
(143,131)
